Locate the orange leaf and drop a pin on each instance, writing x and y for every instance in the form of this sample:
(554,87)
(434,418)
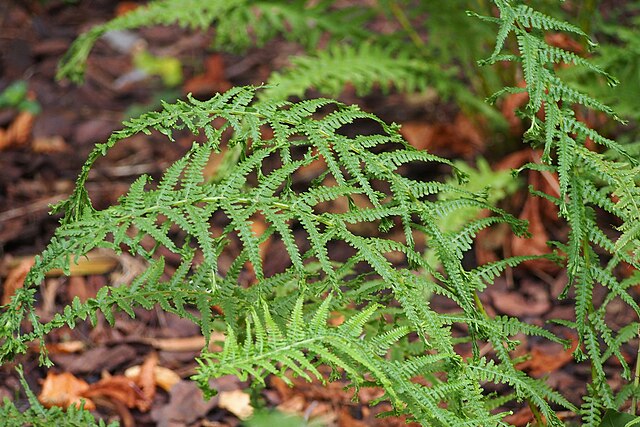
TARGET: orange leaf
(147,381)
(125,7)
(119,388)
(460,138)
(543,362)
(15,280)
(18,132)
(64,390)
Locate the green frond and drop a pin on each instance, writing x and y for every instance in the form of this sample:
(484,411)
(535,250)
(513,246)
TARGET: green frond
(535,390)
(362,65)
(529,17)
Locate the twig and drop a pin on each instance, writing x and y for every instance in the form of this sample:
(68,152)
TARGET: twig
(30,208)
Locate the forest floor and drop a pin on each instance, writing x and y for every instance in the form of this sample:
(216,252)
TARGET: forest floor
(41,155)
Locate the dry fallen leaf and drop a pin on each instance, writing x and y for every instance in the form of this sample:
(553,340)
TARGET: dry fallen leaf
(461,137)
(564,41)
(194,343)
(510,104)
(186,405)
(65,347)
(125,7)
(15,280)
(165,378)
(64,390)
(521,418)
(119,388)
(49,144)
(98,261)
(237,402)
(18,132)
(543,362)
(146,380)
(517,304)
(212,80)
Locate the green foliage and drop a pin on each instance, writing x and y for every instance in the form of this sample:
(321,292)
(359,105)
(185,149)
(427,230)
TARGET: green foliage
(37,415)
(354,54)
(15,96)
(619,54)
(588,181)
(278,324)
(619,419)
(167,68)
(271,340)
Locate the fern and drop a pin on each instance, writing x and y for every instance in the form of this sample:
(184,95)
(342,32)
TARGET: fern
(277,324)
(271,340)
(361,66)
(588,180)
(239,24)
(38,416)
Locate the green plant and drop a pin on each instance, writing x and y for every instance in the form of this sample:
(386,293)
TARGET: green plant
(354,54)
(619,53)
(392,335)
(15,96)
(588,181)
(37,415)
(262,337)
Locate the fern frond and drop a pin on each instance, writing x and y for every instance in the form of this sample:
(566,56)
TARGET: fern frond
(363,65)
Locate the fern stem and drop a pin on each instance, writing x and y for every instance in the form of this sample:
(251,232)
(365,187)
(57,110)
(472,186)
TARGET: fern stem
(586,14)
(403,20)
(480,306)
(536,413)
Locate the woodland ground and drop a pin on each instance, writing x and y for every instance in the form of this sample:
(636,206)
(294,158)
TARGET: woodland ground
(41,155)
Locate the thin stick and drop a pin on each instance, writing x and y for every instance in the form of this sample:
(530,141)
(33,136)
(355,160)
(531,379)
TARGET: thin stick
(30,208)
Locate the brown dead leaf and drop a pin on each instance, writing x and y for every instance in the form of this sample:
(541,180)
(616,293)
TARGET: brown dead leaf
(461,138)
(49,144)
(125,7)
(346,419)
(537,243)
(521,418)
(237,402)
(120,388)
(96,262)
(66,347)
(258,227)
(186,405)
(539,212)
(64,390)
(533,211)
(293,405)
(212,80)
(194,343)
(543,361)
(510,104)
(312,170)
(146,380)
(165,378)
(81,288)
(336,319)
(96,359)
(517,304)
(563,41)
(15,280)
(18,132)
